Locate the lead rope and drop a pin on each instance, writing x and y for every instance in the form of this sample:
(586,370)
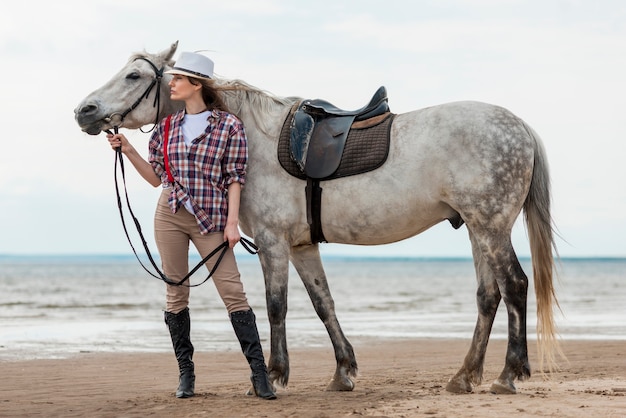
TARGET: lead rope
(222,248)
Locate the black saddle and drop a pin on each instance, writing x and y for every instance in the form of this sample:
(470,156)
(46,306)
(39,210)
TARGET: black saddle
(319,131)
(377,105)
(312,146)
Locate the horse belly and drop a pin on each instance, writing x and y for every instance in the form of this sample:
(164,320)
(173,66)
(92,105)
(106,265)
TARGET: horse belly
(379,207)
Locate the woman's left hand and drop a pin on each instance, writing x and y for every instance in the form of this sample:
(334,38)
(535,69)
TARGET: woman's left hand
(232,235)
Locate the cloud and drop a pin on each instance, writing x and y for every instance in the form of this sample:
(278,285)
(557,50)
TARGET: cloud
(558,65)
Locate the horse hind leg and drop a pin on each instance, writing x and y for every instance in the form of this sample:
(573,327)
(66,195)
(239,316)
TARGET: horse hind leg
(487,299)
(307,261)
(500,259)
(513,284)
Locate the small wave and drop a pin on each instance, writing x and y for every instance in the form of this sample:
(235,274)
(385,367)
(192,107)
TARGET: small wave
(97,306)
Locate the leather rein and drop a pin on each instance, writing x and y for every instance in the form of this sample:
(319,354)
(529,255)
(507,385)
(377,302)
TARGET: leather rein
(221,249)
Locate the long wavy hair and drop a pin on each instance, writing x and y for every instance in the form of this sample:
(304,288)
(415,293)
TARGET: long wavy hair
(212,99)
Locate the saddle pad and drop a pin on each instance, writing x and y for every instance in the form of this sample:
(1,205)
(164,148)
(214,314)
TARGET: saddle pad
(366,148)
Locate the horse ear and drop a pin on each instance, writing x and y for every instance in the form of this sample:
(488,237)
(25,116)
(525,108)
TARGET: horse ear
(168,54)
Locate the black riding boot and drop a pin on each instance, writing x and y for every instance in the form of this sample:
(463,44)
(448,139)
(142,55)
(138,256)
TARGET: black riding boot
(179,325)
(244,324)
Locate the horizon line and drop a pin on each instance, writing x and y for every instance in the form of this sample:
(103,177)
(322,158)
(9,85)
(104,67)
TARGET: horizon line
(5,256)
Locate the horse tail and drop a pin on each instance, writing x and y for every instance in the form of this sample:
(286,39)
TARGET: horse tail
(541,237)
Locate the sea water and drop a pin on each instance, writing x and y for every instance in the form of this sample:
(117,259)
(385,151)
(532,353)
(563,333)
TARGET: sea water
(58,306)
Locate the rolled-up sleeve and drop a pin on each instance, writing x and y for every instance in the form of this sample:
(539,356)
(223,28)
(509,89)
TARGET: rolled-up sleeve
(235,160)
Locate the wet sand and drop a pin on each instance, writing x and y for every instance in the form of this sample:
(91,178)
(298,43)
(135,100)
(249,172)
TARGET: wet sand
(396,379)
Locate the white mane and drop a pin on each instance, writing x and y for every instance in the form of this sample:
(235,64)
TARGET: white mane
(243,98)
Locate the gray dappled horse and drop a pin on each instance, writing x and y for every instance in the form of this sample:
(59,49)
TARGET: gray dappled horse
(465,162)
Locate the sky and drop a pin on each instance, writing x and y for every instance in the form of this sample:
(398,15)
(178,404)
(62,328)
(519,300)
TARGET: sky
(557,64)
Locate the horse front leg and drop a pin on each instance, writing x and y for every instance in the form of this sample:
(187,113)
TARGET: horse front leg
(274,258)
(487,299)
(307,261)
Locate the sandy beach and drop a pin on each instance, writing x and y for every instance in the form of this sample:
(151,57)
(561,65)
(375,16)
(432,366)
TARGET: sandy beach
(396,379)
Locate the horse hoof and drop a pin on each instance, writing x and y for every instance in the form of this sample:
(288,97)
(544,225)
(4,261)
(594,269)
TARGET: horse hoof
(340,385)
(501,388)
(459,386)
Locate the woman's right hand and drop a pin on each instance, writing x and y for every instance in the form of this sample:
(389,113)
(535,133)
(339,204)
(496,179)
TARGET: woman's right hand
(119,140)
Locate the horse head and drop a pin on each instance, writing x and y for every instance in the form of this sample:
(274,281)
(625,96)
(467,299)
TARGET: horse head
(132,97)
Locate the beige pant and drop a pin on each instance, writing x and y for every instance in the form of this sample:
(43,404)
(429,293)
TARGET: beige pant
(172,232)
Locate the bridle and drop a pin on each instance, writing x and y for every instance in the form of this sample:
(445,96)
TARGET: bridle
(222,248)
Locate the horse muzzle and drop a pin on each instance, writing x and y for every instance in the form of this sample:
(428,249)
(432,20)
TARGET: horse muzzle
(91,120)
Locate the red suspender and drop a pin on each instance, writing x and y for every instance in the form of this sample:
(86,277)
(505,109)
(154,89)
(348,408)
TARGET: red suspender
(165,158)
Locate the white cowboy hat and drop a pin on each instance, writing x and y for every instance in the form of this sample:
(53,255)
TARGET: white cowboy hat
(194,65)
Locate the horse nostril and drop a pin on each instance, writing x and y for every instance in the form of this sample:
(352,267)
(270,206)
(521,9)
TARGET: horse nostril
(88,109)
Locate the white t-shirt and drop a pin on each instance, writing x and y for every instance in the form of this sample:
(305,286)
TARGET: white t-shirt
(193,126)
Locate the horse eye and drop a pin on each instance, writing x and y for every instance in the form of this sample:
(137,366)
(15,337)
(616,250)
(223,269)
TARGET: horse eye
(133,76)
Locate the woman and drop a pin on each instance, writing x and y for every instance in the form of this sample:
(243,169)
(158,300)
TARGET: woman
(207,157)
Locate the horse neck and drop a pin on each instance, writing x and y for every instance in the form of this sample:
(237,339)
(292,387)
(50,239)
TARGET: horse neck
(169,107)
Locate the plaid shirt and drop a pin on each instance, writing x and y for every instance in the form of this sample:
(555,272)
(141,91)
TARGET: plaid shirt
(203,171)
